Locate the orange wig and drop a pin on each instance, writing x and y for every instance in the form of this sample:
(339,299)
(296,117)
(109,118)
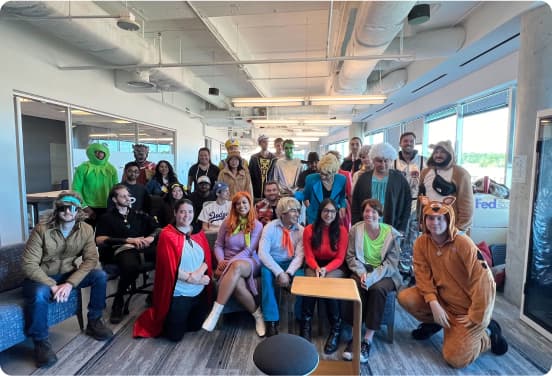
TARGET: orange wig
(234,218)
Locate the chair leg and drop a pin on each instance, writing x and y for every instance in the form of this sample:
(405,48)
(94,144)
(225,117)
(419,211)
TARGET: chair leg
(80,317)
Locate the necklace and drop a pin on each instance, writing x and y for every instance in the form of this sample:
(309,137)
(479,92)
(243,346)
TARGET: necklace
(202,169)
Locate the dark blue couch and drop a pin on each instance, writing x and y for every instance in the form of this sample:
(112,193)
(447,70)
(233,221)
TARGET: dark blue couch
(12,322)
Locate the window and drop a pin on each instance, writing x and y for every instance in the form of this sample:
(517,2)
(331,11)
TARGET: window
(342,147)
(440,126)
(374,138)
(484,144)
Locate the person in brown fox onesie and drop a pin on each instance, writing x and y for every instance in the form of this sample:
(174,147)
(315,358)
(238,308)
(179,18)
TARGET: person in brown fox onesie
(454,290)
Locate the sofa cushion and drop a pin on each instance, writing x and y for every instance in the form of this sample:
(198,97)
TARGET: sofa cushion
(12,330)
(11,273)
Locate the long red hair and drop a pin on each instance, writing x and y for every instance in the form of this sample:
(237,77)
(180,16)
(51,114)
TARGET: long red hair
(234,218)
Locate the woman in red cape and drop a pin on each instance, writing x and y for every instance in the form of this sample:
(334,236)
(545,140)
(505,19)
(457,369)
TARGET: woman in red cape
(179,287)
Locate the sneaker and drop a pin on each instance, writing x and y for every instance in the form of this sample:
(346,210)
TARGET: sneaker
(348,352)
(499,346)
(424,331)
(97,330)
(44,355)
(116,312)
(364,351)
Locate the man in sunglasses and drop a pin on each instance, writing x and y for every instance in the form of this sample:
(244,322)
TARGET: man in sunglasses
(49,265)
(123,236)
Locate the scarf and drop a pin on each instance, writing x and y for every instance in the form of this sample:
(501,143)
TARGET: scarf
(286,241)
(242,224)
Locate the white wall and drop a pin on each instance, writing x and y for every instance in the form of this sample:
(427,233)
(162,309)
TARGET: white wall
(28,65)
(501,72)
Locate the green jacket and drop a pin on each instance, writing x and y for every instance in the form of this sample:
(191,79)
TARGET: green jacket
(94,179)
(48,253)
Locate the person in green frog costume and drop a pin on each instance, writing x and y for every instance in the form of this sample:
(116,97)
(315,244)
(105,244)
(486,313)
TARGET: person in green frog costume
(93,180)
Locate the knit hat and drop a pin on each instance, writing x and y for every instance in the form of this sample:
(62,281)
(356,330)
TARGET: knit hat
(68,198)
(203,179)
(437,208)
(219,186)
(231,142)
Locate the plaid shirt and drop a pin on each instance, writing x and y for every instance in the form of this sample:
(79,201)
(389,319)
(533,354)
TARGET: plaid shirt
(265,212)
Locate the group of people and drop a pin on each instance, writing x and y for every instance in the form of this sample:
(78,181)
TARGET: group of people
(383,218)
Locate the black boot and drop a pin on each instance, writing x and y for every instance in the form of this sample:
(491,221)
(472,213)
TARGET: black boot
(332,342)
(306,328)
(271,328)
(43,353)
(306,314)
(117,310)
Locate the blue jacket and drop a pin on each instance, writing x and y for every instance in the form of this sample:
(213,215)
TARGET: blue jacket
(314,193)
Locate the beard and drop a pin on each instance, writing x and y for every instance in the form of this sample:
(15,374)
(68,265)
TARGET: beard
(443,164)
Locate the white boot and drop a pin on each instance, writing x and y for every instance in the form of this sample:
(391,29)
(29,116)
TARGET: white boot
(260,327)
(211,320)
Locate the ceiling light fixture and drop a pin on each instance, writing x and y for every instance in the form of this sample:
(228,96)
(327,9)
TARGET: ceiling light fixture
(140,79)
(268,102)
(313,101)
(347,99)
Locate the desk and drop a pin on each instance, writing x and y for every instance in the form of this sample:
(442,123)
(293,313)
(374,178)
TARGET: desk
(334,288)
(34,199)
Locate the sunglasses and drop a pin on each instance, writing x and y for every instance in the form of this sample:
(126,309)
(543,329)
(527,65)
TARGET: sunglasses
(72,209)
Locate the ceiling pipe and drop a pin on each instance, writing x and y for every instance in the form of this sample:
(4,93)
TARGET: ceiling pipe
(377,23)
(398,57)
(109,43)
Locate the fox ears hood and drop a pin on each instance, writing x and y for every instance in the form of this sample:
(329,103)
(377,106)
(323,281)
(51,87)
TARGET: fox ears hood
(92,149)
(440,207)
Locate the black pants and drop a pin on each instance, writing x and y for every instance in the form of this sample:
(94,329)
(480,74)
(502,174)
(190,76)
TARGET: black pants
(373,303)
(186,314)
(130,265)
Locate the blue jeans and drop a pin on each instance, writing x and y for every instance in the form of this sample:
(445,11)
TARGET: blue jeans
(268,297)
(38,296)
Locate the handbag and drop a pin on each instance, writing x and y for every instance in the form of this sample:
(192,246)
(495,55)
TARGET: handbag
(443,187)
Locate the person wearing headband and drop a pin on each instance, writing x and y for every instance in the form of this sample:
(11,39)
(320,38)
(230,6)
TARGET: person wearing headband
(51,274)
(454,290)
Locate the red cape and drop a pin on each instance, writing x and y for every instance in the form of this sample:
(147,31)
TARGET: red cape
(169,251)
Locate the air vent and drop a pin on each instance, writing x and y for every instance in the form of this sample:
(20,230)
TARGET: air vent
(489,50)
(140,79)
(384,107)
(428,83)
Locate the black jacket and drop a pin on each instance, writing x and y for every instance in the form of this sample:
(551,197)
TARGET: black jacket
(397,199)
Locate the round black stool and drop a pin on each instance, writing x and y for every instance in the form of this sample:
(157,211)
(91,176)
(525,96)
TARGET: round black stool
(286,354)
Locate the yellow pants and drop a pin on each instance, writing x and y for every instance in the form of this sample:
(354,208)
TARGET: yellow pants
(461,345)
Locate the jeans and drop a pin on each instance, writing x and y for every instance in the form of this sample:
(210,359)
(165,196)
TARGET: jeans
(268,296)
(38,296)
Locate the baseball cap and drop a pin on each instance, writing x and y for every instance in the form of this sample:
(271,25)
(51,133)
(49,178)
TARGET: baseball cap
(219,186)
(262,137)
(203,179)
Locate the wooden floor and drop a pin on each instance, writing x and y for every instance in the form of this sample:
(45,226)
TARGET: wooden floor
(228,350)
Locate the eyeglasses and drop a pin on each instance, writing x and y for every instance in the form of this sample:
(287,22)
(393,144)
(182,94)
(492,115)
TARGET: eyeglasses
(329,211)
(294,211)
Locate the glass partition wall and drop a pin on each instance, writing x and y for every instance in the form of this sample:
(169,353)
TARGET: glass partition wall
(54,138)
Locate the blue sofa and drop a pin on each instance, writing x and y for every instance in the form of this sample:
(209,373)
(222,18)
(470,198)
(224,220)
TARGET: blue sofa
(12,319)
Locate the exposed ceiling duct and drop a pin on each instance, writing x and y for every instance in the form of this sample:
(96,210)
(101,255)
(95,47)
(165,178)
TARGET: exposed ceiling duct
(108,42)
(377,23)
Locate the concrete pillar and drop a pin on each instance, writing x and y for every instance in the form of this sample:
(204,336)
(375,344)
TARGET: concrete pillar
(534,93)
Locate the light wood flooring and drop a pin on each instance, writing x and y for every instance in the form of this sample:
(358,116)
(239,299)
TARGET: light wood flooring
(228,350)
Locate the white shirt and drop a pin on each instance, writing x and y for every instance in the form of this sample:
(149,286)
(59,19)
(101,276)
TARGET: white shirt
(214,214)
(191,260)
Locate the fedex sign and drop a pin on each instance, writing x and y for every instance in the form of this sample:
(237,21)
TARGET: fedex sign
(494,203)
